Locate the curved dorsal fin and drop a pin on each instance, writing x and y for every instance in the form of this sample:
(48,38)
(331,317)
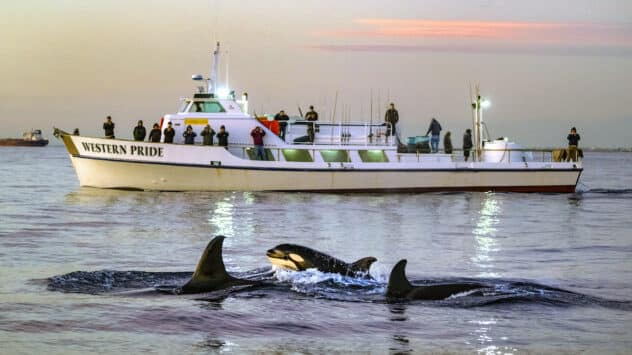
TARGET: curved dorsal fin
(398,284)
(210,273)
(362,265)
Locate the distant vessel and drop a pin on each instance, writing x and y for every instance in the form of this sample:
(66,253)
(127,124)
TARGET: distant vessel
(314,156)
(32,138)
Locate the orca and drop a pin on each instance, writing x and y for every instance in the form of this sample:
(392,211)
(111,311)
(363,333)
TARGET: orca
(210,274)
(300,258)
(400,287)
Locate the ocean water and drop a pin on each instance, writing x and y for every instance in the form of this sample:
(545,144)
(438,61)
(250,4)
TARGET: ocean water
(50,227)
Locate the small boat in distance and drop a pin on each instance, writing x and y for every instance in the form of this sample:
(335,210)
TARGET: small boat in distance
(314,156)
(32,138)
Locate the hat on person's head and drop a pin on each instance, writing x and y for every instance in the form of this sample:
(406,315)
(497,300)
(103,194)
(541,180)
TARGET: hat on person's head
(189,127)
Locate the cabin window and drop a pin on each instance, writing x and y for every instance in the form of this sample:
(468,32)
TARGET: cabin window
(335,156)
(184,105)
(299,155)
(251,154)
(206,106)
(373,156)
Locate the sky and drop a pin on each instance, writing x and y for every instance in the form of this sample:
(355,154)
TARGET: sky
(544,65)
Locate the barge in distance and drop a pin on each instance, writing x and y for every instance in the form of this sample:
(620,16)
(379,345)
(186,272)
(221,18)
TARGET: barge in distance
(32,138)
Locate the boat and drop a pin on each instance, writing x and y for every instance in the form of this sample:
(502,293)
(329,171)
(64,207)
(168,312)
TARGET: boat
(32,138)
(314,156)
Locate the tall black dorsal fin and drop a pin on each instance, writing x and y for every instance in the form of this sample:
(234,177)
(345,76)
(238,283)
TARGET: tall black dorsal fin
(362,265)
(398,284)
(210,273)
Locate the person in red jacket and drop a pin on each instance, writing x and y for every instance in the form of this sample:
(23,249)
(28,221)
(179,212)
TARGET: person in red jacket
(257,138)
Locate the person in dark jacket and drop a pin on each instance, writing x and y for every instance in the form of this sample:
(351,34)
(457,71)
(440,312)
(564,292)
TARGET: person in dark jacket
(435,131)
(169,133)
(207,135)
(222,137)
(573,141)
(391,117)
(155,134)
(467,143)
(257,138)
(311,115)
(189,135)
(108,127)
(282,118)
(447,143)
(140,132)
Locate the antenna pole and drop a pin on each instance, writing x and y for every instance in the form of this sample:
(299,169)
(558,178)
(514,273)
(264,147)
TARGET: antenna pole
(227,63)
(333,117)
(371,120)
(212,86)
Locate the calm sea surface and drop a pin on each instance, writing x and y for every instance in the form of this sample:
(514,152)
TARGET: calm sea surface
(49,226)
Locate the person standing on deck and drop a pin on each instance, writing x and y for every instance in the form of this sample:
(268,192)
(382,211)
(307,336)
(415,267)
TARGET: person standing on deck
(222,137)
(311,116)
(257,138)
(154,134)
(207,135)
(140,132)
(467,144)
(189,135)
(391,117)
(108,127)
(169,133)
(573,141)
(447,143)
(282,118)
(435,130)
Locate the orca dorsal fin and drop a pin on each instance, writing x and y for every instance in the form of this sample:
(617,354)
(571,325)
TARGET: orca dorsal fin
(210,273)
(362,265)
(398,284)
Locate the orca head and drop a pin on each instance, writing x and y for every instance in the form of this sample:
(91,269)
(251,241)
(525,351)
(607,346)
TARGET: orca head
(292,257)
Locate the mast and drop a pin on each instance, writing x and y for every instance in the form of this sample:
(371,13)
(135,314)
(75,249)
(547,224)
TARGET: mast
(478,103)
(212,84)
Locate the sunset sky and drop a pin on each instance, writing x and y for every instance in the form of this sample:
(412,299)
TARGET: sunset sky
(545,65)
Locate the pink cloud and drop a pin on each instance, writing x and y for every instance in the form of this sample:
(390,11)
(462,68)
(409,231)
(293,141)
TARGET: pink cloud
(527,32)
(473,48)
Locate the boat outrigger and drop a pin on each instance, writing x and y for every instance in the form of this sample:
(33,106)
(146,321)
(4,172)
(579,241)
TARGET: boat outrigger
(314,156)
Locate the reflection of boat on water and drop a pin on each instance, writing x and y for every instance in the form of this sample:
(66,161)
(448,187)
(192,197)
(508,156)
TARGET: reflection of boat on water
(32,138)
(314,156)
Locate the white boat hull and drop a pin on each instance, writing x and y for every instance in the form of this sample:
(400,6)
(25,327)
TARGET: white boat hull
(121,164)
(149,176)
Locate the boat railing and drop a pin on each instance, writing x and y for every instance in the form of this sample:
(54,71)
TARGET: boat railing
(340,133)
(517,155)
